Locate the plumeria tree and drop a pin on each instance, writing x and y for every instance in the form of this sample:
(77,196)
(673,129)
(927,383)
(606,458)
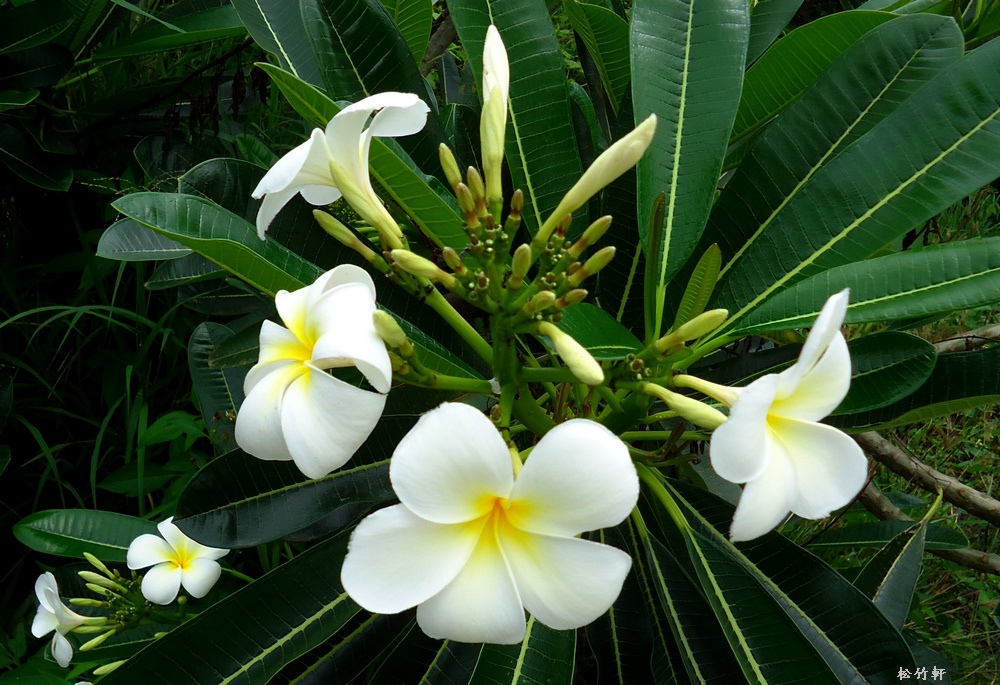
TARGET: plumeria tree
(516,344)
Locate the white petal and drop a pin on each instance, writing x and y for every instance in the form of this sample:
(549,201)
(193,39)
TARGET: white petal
(44,622)
(738,449)
(46,581)
(306,164)
(343,140)
(348,273)
(830,468)
(452,465)
(149,550)
(184,547)
(270,206)
(579,477)
(342,321)
(294,307)
(161,583)
(258,422)
(565,582)
(496,70)
(200,576)
(319,195)
(62,650)
(397,560)
(826,326)
(765,502)
(277,344)
(325,420)
(405,113)
(820,389)
(480,605)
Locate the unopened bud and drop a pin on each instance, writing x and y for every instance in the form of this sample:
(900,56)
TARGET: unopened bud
(597,261)
(590,237)
(540,302)
(493,121)
(695,328)
(454,262)
(345,236)
(86,602)
(580,362)
(97,641)
(723,393)
(476,185)
(572,297)
(389,330)
(520,263)
(423,268)
(698,413)
(98,564)
(611,164)
(98,579)
(108,668)
(467,203)
(449,166)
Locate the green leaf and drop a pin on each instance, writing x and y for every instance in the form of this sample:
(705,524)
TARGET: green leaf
(959,381)
(222,237)
(241,349)
(768,18)
(546,657)
(232,501)
(71,532)
(22,156)
(143,13)
(700,286)
(795,62)
(541,146)
(6,397)
(606,36)
(219,391)
(890,577)
(870,193)
(31,25)
(879,533)
(414,19)
(206,25)
(886,368)
(436,214)
(128,241)
(687,68)
(12,99)
(277,26)
(905,285)
(594,328)
(247,637)
(360,52)
(177,272)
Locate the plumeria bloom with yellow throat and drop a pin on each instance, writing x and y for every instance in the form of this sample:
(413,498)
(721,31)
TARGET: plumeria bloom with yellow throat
(176,561)
(334,163)
(472,545)
(773,441)
(295,410)
(55,617)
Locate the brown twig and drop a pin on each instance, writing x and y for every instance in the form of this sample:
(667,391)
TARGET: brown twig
(969,340)
(443,36)
(874,501)
(971,500)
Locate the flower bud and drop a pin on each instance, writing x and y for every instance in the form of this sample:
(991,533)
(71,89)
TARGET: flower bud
(597,261)
(424,268)
(539,302)
(97,579)
(723,393)
(389,330)
(577,358)
(590,237)
(98,564)
(108,668)
(612,163)
(454,261)
(346,237)
(97,641)
(520,263)
(572,297)
(696,412)
(493,122)
(695,328)
(476,186)
(449,166)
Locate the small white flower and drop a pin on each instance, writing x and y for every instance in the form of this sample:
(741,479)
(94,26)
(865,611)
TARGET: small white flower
(53,615)
(334,163)
(176,560)
(472,547)
(294,409)
(773,442)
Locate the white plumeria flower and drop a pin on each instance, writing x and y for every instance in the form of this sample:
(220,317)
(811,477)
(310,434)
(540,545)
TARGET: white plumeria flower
(53,615)
(493,122)
(294,409)
(773,442)
(334,163)
(472,546)
(176,560)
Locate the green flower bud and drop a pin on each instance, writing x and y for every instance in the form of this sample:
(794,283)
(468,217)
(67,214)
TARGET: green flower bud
(579,361)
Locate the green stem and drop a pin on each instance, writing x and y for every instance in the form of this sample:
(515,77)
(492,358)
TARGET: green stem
(699,351)
(650,478)
(470,335)
(242,576)
(660,435)
(547,375)
(531,415)
(442,382)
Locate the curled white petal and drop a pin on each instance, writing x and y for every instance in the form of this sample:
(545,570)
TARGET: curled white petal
(62,650)
(738,449)
(148,550)
(161,583)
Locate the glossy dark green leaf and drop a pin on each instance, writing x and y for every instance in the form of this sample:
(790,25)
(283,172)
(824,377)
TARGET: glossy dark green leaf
(219,391)
(959,381)
(36,67)
(414,19)
(594,328)
(541,145)
(6,397)
(768,18)
(890,577)
(606,36)
(870,193)
(700,286)
(128,241)
(794,63)
(912,284)
(177,272)
(35,23)
(886,368)
(209,24)
(687,68)
(247,637)
(22,156)
(546,657)
(71,532)
(12,99)
(880,533)
(277,26)
(239,350)
(222,237)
